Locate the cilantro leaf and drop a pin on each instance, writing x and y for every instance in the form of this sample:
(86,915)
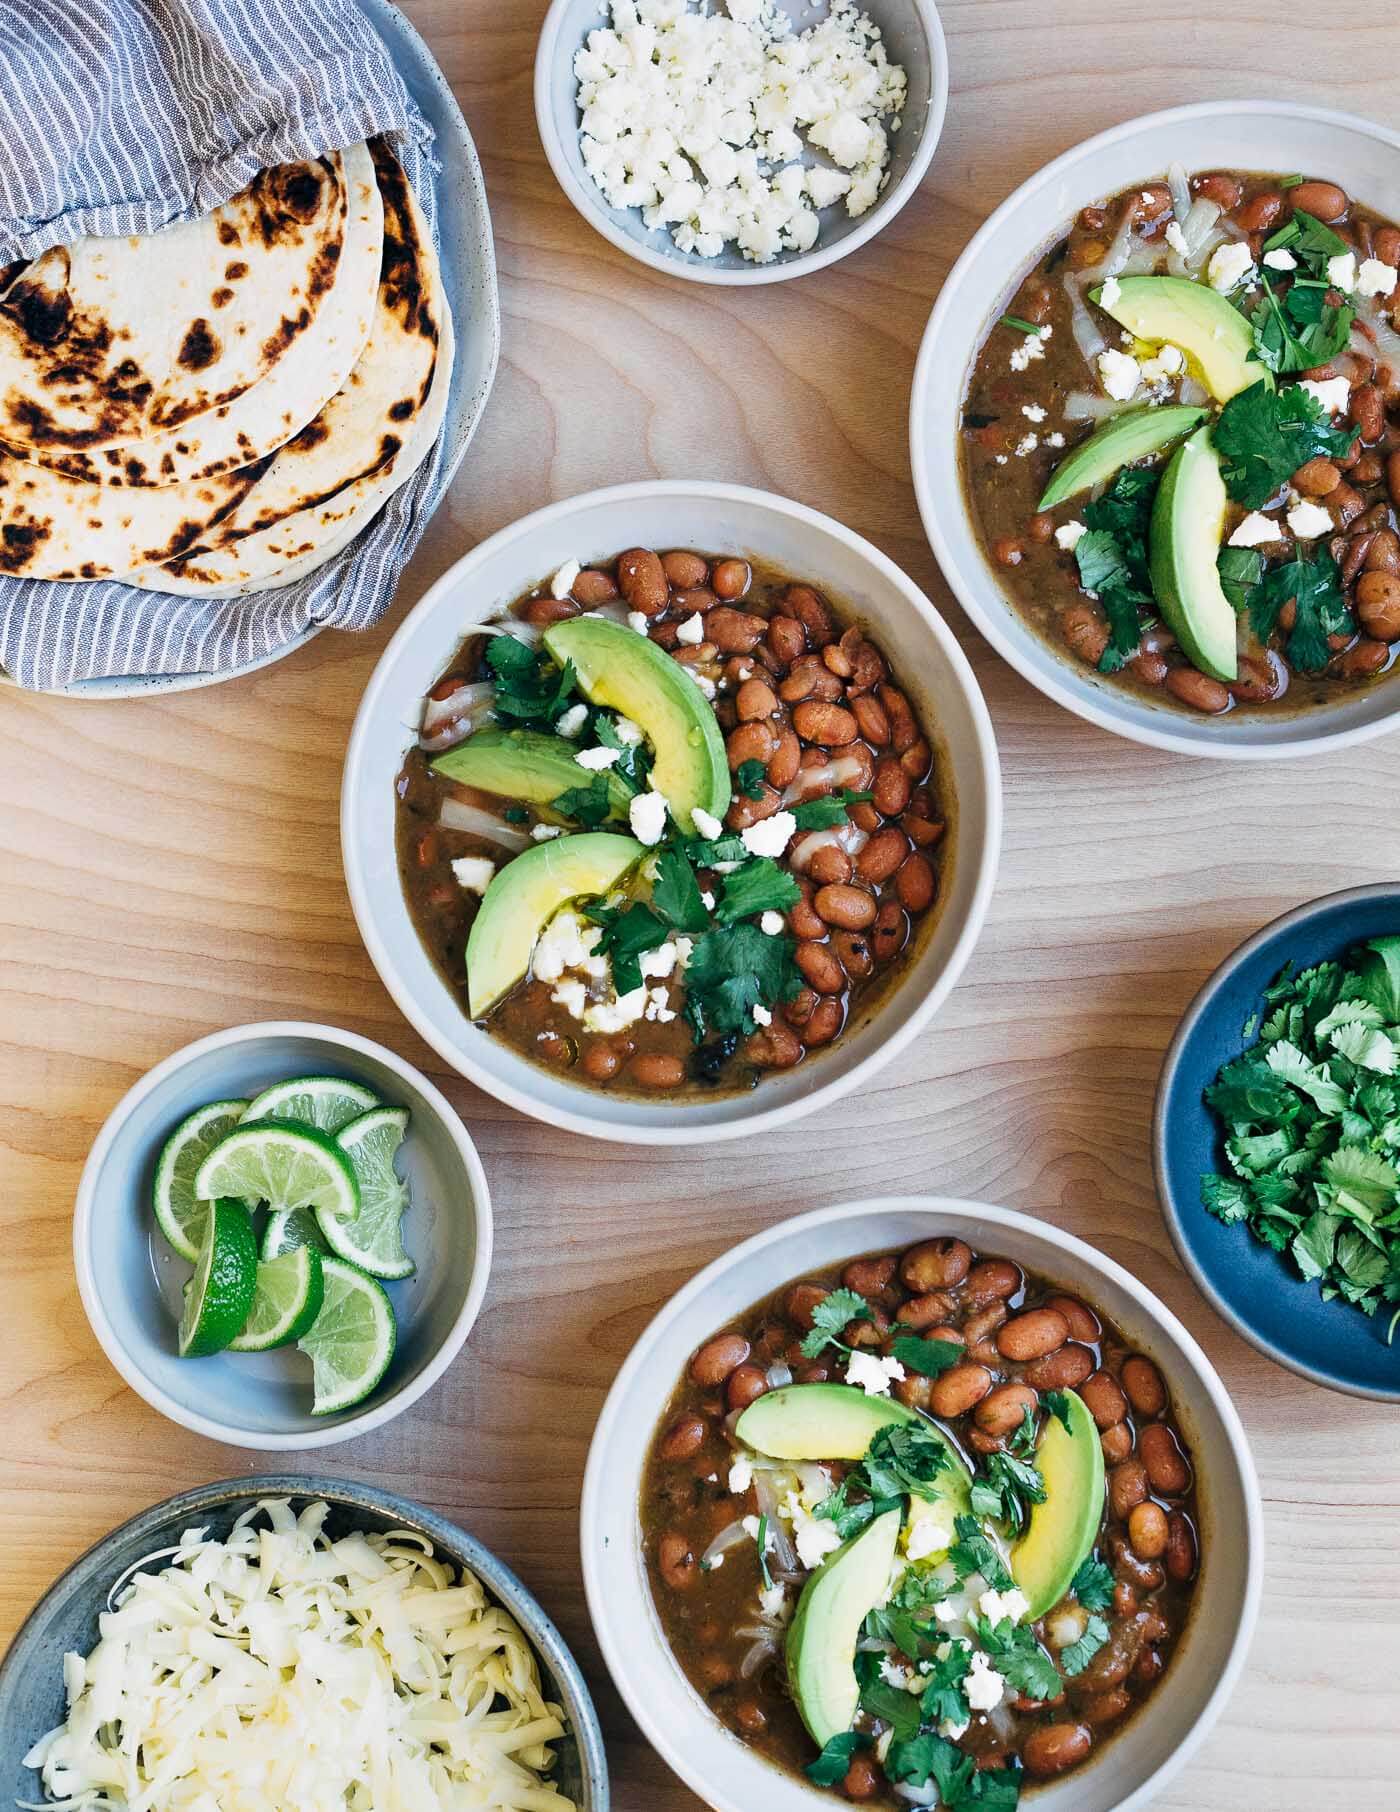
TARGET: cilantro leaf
(849,1515)
(1315,587)
(529,687)
(1113,558)
(748,779)
(1300,328)
(831,1766)
(825,814)
(878,1696)
(730,972)
(1092,1585)
(1058,1405)
(905,1457)
(627,934)
(1078,1654)
(944,1698)
(759,886)
(830,1318)
(676,893)
(1378,975)
(930,1358)
(1003,1488)
(1018,1656)
(973,1552)
(1240,569)
(1263,436)
(1310,238)
(590,804)
(633,762)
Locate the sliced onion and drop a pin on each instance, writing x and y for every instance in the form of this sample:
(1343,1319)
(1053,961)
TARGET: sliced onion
(617,610)
(917,1796)
(1192,390)
(1197,229)
(762,1652)
(848,837)
(1088,336)
(762,1629)
(467,699)
(766,1496)
(1387,341)
(1181,191)
(522,631)
(811,783)
(779,1376)
(473,821)
(1084,406)
(1119,251)
(732,1535)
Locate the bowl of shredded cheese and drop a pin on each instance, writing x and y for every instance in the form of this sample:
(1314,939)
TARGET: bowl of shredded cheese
(740,143)
(270,1644)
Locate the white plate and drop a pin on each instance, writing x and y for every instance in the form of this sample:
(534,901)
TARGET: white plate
(1218,135)
(469,272)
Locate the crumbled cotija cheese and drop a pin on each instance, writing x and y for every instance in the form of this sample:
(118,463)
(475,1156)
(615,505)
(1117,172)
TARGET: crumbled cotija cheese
(695,117)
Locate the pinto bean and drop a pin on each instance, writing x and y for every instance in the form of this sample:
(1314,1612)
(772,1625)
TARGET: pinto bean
(809,678)
(1004,1409)
(890,932)
(1147,1530)
(1317,478)
(1224,190)
(830,864)
(593,587)
(935,1264)
(1127,1487)
(870,715)
(816,720)
(1361,660)
(1143,1384)
(1367,412)
(1126,1602)
(745,811)
(1051,1748)
(820,967)
(1167,1466)
(684,1437)
(1378,604)
(914,1390)
(1197,689)
(984,1323)
(802,916)
(1065,1370)
(1084,633)
(904,727)
(1259,680)
(773,1047)
(642,580)
(787,638)
(1346,504)
(713,1363)
(958,1390)
(746,1384)
(676,1559)
(850,908)
(1103,1399)
(1259,212)
(755,699)
(824,1023)
(927,1310)
(836,660)
(890,787)
(1181,1547)
(854,952)
(685,569)
(882,855)
(1116,1441)
(1149,666)
(810,609)
(1032,1335)
(1324,200)
(783,763)
(862,1780)
(991,1280)
(750,742)
(915,883)
(541,612)
(802,1299)
(1084,1324)
(867,1331)
(731,579)
(1383,553)
(1102,1708)
(734,631)
(917,759)
(869,1276)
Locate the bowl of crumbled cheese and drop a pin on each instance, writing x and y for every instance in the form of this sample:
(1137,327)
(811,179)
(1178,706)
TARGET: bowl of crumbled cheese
(740,141)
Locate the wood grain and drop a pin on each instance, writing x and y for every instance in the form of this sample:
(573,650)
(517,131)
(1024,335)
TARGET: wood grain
(172,866)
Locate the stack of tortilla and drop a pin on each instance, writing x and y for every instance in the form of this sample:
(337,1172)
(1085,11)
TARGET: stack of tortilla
(220,407)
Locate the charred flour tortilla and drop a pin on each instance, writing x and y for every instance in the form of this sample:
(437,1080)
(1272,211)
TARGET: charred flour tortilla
(115,339)
(368,440)
(312,365)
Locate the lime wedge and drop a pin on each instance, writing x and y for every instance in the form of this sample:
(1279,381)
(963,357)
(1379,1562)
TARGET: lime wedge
(282,1164)
(286,1301)
(289,1228)
(177,1209)
(219,1295)
(352,1341)
(326,1102)
(371,1240)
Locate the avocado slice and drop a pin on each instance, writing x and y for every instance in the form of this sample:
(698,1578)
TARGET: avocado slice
(821,1643)
(836,1422)
(1061,1534)
(525,895)
(524,765)
(1120,442)
(623,671)
(1188,521)
(1194,317)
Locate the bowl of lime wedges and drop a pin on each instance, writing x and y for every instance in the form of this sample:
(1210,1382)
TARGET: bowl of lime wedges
(282,1236)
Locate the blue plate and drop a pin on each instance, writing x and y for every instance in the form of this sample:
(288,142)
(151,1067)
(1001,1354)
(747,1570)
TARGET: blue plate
(1259,1290)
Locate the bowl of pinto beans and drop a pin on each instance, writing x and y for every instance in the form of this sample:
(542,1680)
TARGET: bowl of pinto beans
(672,813)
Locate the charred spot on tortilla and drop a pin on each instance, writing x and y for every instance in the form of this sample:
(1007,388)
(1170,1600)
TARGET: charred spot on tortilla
(19,542)
(43,314)
(228,233)
(221,298)
(287,198)
(235,270)
(277,342)
(401,410)
(199,348)
(310,436)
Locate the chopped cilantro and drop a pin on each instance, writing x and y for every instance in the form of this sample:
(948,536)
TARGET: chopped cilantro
(676,893)
(1315,587)
(824,814)
(759,886)
(748,779)
(530,688)
(1263,436)
(849,1514)
(905,1457)
(1241,569)
(1299,329)
(1077,1656)
(590,804)
(1310,238)
(1311,1115)
(633,762)
(831,1765)
(943,1696)
(1092,1585)
(830,1318)
(627,933)
(730,972)
(930,1358)
(1058,1405)
(1004,1486)
(1112,558)
(973,1552)
(703,853)
(891,1704)
(1018,1657)
(962,1786)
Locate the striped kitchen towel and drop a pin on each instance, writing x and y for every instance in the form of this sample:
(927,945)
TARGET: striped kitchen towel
(124,116)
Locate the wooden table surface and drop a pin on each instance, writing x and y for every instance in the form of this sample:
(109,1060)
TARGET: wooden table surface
(172,866)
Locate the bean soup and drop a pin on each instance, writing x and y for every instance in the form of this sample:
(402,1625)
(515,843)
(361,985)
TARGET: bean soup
(927,1520)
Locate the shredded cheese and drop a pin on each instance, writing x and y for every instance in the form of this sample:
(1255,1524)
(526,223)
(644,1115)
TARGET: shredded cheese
(280,1669)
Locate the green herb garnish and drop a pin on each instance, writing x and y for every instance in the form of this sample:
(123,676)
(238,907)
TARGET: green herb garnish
(1020,325)
(891,1704)
(529,687)
(748,779)
(1092,1585)
(1113,561)
(824,814)
(1077,1656)
(962,1786)
(628,932)
(831,1766)
(1018,1656)
(675,892)
(590,804)
(732,971)
(930,1358)
(1315,587)
(1008,1481)
(759,886)
(832,1315)
(1264,435)
(973,1552)
(1240,569)
(762,1540)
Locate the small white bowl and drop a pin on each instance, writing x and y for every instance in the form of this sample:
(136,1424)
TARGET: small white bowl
(130,1280)
(913,35)
(717,517)
(1163,1736)
(1238,135)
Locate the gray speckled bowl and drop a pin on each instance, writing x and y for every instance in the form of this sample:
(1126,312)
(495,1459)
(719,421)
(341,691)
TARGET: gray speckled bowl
(130,1281)
(31,1678)
(913,35)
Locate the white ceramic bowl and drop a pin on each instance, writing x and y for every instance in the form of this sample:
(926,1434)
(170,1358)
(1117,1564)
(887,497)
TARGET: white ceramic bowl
(913,35)
(1246,135)
(716,517)
(130,1281)
(1129,1771)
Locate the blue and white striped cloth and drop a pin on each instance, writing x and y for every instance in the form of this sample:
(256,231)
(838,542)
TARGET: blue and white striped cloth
(124,116)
